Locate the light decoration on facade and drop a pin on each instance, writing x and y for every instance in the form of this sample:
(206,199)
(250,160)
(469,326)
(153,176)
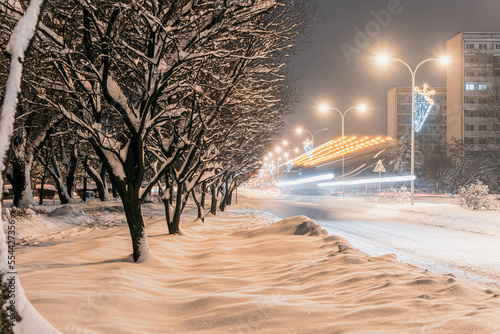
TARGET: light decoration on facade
(336,148)
(423,105)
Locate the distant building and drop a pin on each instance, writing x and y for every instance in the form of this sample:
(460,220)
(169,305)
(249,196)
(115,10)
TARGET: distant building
(474,67)
(433,131)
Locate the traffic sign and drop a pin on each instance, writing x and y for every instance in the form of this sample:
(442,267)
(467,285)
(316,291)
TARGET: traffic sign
(379,167)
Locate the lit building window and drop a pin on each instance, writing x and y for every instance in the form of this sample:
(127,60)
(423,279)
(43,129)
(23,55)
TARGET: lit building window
(469,86)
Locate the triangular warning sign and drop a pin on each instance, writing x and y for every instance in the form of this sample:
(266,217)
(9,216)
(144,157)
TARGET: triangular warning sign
(379,167)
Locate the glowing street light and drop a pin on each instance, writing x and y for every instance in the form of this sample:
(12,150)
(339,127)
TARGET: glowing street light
(295,148)
(325,108)
(385,59)
(300,130)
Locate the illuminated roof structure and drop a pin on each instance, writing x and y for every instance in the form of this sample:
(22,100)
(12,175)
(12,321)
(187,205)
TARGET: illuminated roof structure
(336,148)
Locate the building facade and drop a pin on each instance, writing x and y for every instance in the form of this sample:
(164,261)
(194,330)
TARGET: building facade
(434,129)
(472,75)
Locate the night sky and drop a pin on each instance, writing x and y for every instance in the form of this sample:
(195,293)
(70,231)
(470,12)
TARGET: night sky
(415,30)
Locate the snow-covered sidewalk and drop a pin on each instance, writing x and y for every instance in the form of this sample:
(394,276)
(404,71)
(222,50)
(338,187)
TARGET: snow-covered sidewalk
(239,272)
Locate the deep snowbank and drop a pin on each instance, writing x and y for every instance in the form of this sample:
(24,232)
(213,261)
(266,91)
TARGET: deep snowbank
(243,272)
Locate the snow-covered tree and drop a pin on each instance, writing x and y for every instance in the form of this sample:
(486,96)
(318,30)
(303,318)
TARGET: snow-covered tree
(438,168)
(97,173)
(15,308)
(453,166)
(468,166)
(30,135)
(33,122)
(130,67)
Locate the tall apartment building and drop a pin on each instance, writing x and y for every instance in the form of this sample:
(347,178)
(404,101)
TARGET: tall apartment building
(433,131)
(474,67)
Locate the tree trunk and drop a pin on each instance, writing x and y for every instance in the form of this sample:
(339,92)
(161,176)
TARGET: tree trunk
(222,205)
(223,201)
(20,179)
(213,203)
(55,172)
(42,187)
(114,191)
(135,221)
(166,198)
(84,194)
(70,171)
(102,174)
(173,228)
(168,217)
(203,194)
(199,208)
(98,179)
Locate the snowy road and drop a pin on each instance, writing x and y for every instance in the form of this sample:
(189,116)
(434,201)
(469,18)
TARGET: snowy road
(439,237)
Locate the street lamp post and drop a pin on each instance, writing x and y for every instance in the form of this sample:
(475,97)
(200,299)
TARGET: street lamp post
(295,149)
(413,74)
(342,116)
(278,158)
(299,130)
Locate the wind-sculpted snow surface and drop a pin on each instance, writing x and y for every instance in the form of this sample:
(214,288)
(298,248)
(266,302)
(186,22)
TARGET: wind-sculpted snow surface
(245,272)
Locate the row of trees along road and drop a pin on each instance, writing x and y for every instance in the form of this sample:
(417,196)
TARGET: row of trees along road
(449,166)
(183,94)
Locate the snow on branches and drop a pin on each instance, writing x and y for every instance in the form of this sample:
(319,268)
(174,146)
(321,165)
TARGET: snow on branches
(474,196)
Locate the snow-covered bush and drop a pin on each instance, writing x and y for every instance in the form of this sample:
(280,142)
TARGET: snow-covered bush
(474,196)
(400,196)
(17,213)
(155,199)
